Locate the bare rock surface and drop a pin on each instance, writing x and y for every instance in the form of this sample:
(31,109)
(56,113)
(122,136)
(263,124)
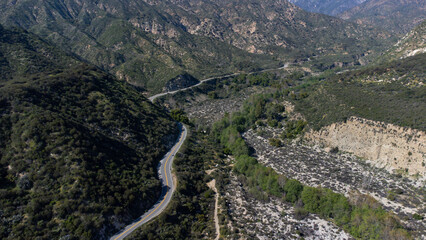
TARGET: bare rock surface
(386,145)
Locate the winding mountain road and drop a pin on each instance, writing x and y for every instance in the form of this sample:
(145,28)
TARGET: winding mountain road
(165,171)
(152,98)
(165,166)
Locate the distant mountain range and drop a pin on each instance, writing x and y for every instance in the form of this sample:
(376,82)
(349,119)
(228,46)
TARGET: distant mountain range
(150,42)
(329,7)
(396,16)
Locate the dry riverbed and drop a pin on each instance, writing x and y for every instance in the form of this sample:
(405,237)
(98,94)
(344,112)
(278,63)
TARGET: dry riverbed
(342,173)
(251,218)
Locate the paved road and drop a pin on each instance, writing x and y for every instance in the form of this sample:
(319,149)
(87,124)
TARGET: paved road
(165,171)
(152,98)
(165,168)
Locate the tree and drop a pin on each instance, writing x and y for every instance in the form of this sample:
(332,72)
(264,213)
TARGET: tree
(212,95)
(311,198)
(179,115)
(293,189)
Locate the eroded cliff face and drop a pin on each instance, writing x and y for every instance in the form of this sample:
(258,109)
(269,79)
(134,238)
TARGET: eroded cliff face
(385,145)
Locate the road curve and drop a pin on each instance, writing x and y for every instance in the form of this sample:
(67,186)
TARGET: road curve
(165,172)
(152,98)
(165,167)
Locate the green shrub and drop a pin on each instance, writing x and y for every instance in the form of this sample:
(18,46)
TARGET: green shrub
(300,213)
(293,128)
(417,216)
(311,198)
(293,190)
(179,115)
(275,142)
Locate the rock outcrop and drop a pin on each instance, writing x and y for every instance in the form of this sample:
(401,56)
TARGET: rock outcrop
(181,81)
(385,145)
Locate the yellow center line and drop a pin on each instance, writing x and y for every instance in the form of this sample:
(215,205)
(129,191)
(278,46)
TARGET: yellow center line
(165,196)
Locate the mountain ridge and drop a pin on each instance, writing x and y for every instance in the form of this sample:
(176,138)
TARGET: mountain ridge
(329,7)
(143,40)
(396,16)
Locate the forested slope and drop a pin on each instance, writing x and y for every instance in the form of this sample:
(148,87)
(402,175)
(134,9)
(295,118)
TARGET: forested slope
(78,148)
(392,92)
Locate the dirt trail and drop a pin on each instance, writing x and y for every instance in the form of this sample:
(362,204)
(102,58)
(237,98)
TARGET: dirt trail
(212,185)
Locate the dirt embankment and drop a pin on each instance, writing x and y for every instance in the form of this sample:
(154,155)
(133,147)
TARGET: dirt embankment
(385,145)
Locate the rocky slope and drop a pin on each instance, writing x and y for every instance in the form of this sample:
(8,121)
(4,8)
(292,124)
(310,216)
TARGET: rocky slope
(272,27)
(149,42)
(385,145)
(398,16)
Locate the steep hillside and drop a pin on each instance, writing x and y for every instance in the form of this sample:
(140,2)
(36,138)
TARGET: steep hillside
(21,55)
(390,92)
(136,42)
(149,42)
(276,28)
(398,16)
(329,7)
(78,148)
(411,44)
